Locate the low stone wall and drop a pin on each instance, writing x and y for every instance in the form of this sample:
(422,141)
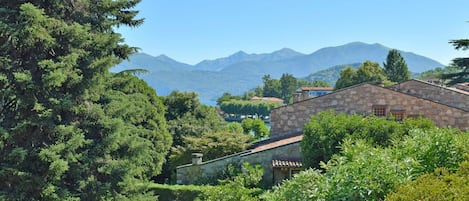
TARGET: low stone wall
(360,100)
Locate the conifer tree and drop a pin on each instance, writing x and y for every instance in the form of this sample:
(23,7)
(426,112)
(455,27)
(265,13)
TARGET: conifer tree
(461,65)
(70,130)
(395,67)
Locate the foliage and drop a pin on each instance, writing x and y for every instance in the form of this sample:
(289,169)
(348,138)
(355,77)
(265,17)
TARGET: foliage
(239,188)
(395,67)
(363,171)
(69,129)
(432,73)
(460,64)
(242,107)
(272,87)
(211,145)
(369,72)
(227,97)
(330,75)
(187,118)
(439,185)
(180,104)
(256,126)
(235,127)
(288,85)
(327,130)
(167,192)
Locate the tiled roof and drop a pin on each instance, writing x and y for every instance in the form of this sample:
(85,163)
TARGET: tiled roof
(315,89)
(281,163)
(278,143)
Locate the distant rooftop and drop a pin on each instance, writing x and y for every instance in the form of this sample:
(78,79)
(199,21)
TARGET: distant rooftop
(268,99)
(315,89)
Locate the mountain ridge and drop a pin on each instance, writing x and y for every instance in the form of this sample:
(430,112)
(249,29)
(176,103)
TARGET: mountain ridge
(243,71)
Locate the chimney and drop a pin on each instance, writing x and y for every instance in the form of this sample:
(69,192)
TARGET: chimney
(196,158)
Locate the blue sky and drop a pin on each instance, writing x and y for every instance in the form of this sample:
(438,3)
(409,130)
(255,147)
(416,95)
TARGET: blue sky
(192,30)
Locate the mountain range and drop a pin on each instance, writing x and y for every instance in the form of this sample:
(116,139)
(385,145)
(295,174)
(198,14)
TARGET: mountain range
(241,71)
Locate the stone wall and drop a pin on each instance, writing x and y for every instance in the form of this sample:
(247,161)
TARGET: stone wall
(194,174)
(360,99)
(434,92)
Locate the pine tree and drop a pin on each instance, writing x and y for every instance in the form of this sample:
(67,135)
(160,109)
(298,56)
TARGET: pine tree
(460,64)
(395,67)
(70,130)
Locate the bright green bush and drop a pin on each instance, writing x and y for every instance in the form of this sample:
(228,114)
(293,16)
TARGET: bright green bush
(364,171)
(327,130)
(440,185)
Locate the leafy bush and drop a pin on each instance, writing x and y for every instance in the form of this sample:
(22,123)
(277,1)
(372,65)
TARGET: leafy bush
(256,126)
(242,187)
(327,130)
(439,185)
(364,171)
(177,192)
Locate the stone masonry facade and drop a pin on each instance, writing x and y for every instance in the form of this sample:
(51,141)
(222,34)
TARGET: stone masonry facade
(198,173)
(440,94)
(360,99)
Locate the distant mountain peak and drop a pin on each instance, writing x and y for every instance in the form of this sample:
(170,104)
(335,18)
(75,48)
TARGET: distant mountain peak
(239,54)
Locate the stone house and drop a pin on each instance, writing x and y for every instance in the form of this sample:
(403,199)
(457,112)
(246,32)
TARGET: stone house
(281,155)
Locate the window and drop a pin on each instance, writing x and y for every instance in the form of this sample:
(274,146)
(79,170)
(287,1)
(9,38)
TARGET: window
(379,110)
(398,115)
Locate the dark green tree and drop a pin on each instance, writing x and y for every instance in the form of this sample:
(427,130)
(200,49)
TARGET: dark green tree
(187,117)
(272,87)
(395,67)
(288,85)
(68,129)
(460,64)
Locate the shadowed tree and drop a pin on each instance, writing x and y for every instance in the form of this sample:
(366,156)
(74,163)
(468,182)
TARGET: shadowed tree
(461,65)
(69,130)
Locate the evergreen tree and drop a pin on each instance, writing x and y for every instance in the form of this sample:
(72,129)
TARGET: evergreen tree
(460,64)
(68,129)
(288,85)
(395,67)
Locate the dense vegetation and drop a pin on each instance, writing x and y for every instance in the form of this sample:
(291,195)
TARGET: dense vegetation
(362,168)
(69,129)
(197,128)
(244,107)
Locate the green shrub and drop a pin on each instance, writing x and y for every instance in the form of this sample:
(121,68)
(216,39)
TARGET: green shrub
(327,130)
(363,171)
(439,185)
(167,192)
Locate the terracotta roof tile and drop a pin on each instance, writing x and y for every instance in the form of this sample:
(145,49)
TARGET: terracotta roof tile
(281,163)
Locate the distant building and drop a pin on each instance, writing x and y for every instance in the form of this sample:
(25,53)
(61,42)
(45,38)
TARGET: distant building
(267,99)
(304,93)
